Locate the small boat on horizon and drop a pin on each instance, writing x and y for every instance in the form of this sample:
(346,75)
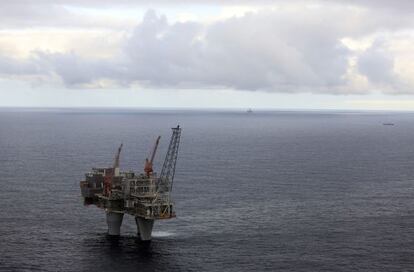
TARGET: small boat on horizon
(387,124)
(249,110)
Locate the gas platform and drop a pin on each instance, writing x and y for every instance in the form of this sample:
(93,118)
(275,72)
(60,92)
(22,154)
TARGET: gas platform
(146,196)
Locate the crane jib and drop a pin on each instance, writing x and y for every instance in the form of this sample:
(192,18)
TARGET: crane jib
(168,168)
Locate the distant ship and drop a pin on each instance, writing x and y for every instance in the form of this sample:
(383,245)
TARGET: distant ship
(249,110)
(387,124)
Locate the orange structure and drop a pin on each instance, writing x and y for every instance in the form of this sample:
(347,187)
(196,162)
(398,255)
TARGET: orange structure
(110,173)
(148,163)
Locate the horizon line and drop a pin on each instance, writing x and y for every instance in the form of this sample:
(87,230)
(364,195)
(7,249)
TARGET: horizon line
(39,108)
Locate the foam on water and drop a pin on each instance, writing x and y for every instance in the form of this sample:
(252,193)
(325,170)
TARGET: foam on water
(162,234)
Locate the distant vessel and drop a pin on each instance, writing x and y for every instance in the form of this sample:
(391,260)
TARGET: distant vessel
(249,110)
(388,124)
(145,196)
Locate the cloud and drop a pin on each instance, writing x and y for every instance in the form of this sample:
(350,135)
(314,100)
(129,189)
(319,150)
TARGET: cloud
(403,4)
(10,66)
(387,65)
(56,14)
(96,13)
(291,48)
(258,51)
(377,63)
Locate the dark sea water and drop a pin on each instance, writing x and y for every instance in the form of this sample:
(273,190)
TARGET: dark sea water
(281,191)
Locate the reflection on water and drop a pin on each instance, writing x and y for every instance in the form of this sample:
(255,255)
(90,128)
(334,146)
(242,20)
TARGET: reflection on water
(126,253)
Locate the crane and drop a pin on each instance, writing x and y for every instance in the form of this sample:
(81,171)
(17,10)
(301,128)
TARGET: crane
(148,163)
(168,168)
(116,160)
(111,172)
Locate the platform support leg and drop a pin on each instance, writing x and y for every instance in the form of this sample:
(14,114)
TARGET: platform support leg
(114,221)
(144,228)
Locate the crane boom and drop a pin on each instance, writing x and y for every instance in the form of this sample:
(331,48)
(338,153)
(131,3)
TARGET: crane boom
(168,168)
(111,172)
(148,163)
(154,150)
(116,161)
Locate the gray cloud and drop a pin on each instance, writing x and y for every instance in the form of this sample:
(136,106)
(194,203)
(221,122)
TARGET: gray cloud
(282,50)
(11,66)
(377,63)
(263,51)
(403,4)
(29,14)
(58,13)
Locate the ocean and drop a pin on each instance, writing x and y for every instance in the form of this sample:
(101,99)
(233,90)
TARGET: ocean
(261,191)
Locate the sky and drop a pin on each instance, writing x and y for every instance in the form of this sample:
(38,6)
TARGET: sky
(314,54)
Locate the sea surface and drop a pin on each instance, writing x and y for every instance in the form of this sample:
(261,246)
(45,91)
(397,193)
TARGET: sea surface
(261,191)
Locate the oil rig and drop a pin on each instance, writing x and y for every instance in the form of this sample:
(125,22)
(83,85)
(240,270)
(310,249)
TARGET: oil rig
(146,196)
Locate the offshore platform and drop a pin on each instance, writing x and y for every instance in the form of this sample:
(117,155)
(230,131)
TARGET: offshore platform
(146,196)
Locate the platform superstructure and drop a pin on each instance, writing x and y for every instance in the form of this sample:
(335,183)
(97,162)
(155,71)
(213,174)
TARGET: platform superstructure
(146,196)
